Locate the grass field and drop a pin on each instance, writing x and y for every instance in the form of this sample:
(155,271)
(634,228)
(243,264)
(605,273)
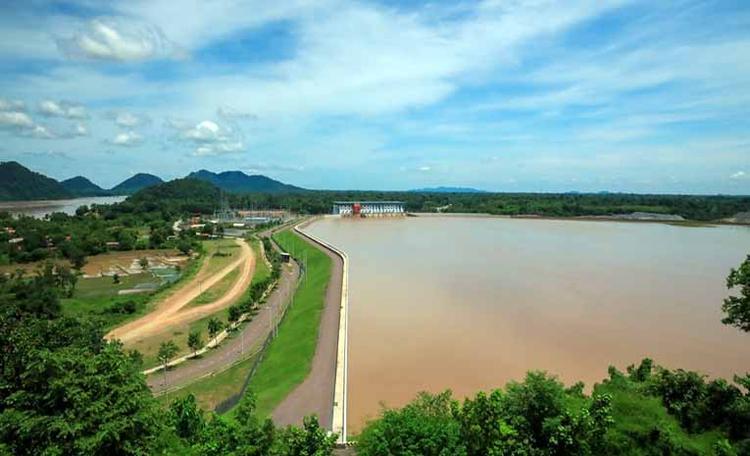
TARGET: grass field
(218,290)
(262,271)
(289,357)
(211,391)
(227,251)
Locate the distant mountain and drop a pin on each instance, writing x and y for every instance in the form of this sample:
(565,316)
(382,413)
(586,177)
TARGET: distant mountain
(447,190)
(239,182)
(135,183)
(80,186)
(20,183)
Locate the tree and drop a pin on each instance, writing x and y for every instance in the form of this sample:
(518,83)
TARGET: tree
(214,327)
(184,246)
(234,313)
(167,350)
(143,262)
(116,278)
(737,308)
(310,440)
(194,341)
(65,391)
(186,418)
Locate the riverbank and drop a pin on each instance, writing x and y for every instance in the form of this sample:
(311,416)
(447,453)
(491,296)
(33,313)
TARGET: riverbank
(291,358)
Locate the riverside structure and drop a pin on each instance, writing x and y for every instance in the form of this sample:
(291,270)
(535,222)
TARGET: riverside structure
(368,208)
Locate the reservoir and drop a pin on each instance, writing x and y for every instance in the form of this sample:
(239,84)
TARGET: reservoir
(470,303)
(41,208)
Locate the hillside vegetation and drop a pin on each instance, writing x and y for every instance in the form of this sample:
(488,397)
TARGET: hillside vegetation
(20,183)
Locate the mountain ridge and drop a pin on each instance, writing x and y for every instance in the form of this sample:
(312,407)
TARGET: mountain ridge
(239,182)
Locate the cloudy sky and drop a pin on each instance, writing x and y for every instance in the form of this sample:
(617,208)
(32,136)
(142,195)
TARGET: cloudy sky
(505,95)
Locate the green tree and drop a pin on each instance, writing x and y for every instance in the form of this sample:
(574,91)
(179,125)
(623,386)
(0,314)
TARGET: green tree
(66,393)
(116,278)
(234,313)
(167,350)
(186,418)
(737,308)
(424,427)
(143,262)
(310,440)
(184,246)
(214,327)
(195,342)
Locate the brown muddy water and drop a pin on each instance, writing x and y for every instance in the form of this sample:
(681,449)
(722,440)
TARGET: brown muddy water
(472,303)
(41,208)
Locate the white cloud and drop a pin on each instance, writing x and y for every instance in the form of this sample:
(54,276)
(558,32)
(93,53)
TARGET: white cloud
(80,129)
(127,139)
(21,124)
(425,168)
(14,119)
(127,119)
(12,105)
(739,175)
(117,39)
(210,138)
(64,109)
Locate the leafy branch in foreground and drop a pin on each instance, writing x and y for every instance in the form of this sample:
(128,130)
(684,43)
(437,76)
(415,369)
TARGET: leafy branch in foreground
(737,308)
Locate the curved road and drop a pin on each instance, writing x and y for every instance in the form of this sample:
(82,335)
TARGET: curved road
(168,312)
(315,394)
(233,349)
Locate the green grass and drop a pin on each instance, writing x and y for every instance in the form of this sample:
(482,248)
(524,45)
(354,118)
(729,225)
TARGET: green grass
(211,391)
(218,290)
(289,357)
(641,421)
(262,271)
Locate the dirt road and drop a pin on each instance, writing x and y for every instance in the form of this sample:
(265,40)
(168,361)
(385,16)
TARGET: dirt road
(315,394)
(249,338)
(170,311)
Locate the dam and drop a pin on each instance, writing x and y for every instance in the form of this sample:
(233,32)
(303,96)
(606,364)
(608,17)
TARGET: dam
(367,208)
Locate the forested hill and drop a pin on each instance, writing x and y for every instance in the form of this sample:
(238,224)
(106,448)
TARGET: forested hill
(80,186)
(239,182)
(20,183)
(135,183)
(179,196)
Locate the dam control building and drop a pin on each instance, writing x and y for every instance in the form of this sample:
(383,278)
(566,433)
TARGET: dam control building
(368,208)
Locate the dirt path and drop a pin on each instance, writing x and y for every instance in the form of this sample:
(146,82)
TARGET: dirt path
(249,338)
(315,394)
(168,311)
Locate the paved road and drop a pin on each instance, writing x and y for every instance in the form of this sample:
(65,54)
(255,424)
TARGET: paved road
(247,339)
(315,394)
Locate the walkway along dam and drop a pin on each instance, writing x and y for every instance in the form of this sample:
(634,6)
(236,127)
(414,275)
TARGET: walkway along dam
(324,391)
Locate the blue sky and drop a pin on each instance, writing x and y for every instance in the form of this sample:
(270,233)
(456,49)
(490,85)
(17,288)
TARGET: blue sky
(503,95)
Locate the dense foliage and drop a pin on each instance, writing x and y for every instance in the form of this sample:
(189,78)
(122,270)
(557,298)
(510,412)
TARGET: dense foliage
(65,390)
(142,221)
(20,183)
(737,308)
(691,207)
(650,410)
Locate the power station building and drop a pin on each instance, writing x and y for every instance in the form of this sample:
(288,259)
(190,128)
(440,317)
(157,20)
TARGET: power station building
(368,208)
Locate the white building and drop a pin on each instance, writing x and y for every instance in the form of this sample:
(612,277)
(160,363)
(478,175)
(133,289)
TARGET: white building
(368,208)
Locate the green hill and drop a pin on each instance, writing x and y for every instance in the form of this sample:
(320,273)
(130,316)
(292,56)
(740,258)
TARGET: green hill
(177,196)
(80,186)
(239,182)
(20,183)
(135,183)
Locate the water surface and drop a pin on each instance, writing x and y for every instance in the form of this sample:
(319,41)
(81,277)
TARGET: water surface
(472,303)
(41,208)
